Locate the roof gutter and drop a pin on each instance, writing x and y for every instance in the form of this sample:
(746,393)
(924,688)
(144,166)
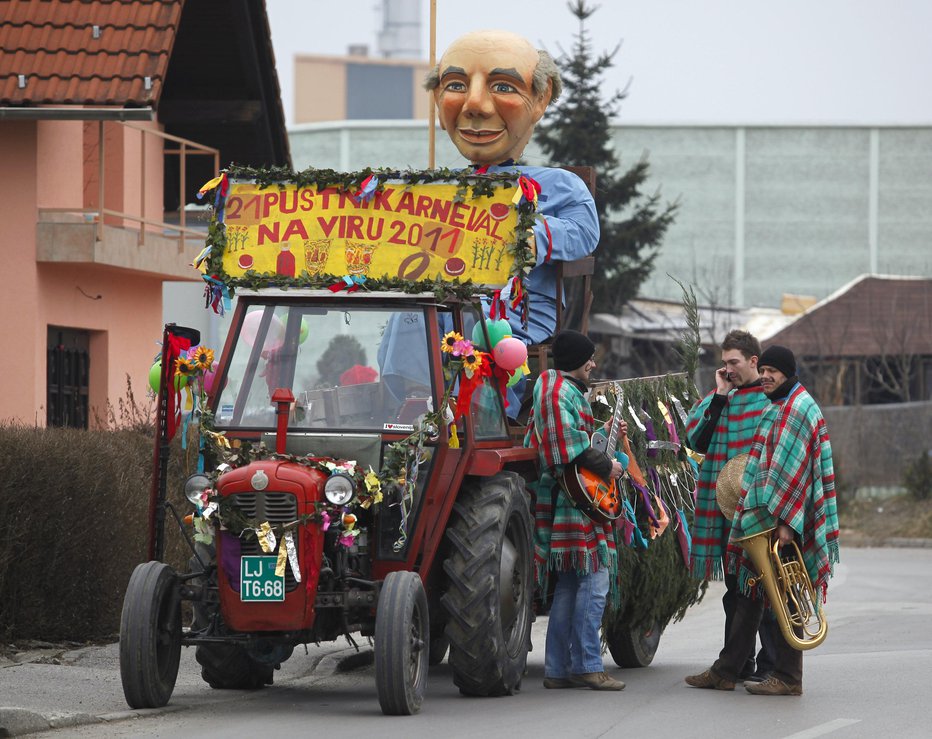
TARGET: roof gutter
(73,113)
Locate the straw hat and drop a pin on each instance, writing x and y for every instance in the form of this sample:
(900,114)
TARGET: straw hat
(728,486)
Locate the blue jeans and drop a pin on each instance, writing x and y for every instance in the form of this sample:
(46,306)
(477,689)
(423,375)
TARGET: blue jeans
(573,633)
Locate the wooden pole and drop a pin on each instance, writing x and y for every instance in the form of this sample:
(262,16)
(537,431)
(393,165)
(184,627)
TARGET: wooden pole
(431,108)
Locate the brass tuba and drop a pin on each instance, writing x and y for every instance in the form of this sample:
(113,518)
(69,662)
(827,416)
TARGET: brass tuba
(785,580)
(793,599)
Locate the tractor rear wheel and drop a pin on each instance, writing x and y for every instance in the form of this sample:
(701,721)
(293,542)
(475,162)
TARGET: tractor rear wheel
(490,585)
(150,636)
(402,633)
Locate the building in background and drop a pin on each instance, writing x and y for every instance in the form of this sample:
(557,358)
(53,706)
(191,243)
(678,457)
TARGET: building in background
(112,115)
(764,211)
(359,87)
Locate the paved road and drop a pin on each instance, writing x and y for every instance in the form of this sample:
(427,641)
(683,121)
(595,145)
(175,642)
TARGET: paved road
(871,678)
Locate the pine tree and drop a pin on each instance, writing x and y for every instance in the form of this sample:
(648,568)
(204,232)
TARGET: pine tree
(578,133)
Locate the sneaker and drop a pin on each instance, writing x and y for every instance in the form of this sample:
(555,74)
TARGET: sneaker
(596,681)
(709,679)
(760,676)
(774,686)
(555,683)
(748,675)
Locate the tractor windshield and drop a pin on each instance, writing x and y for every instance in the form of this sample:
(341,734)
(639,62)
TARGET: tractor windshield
(350,368)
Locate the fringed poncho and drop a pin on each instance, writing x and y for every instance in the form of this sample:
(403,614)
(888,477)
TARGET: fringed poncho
(733,435)
(789,479)
(560,428)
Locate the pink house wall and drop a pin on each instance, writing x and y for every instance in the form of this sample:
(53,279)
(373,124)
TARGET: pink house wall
(23,352)
(43,165)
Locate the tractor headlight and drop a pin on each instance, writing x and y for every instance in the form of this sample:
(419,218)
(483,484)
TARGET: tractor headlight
(339,489)
(194,487)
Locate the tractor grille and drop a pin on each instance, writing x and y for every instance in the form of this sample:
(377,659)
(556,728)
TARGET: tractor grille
(276,508)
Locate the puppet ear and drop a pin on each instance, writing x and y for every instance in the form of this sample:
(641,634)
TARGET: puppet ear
(540,105)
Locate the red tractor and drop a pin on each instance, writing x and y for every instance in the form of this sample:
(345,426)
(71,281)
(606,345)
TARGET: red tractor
(349,502)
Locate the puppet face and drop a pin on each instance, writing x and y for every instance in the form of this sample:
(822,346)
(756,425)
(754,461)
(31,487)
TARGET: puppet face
(485,99)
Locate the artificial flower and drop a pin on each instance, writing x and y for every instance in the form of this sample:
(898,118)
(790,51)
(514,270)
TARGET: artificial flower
(472,362)
(185,366)
(347,538)
(203,358)
(449,341)
(463,348)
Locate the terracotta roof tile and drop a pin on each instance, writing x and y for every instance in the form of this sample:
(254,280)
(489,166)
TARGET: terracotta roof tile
(52,43)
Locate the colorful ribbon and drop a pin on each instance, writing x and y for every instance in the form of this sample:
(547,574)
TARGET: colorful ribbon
(528,189)
(366,190)
(221,184)
(468,384)
(497,306)
(540,217)
(176,345)
(683,536)
(216,295)
(350,283)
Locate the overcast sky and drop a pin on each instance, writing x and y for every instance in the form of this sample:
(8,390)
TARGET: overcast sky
(688,61)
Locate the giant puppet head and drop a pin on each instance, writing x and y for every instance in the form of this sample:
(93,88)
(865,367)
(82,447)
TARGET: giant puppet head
(491,89)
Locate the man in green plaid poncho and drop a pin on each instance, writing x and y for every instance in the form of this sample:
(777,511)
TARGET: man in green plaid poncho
(721,426)
(578,550)
(788,485)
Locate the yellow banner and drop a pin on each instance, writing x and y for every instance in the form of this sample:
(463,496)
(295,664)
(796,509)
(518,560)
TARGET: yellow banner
(412,232)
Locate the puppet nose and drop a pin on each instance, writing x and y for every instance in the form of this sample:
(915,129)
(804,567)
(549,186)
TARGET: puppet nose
(478,102)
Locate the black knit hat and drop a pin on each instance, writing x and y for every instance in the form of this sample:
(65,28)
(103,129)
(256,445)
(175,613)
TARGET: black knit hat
(571,350)
(778,357)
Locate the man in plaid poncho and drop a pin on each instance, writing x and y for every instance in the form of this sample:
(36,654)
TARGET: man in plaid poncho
(580,551)
(789,485)
(721,426)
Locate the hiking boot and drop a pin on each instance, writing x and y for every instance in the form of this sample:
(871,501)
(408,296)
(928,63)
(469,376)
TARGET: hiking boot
(774,686)
(555,683)
(709,679)
(596,681)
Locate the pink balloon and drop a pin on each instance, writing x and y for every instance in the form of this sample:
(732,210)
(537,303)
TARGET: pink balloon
(209,376)
(510,353)
(275,336)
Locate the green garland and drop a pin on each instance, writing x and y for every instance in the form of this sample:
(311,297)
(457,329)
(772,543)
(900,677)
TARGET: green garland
(655,585)
(469,184)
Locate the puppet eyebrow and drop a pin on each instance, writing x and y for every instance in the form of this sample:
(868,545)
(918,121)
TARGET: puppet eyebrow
(510,72)
(498,71)
(453,70)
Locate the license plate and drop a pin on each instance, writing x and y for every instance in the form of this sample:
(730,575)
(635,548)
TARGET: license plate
(258,581)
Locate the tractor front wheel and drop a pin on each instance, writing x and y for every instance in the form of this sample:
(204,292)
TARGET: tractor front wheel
(150,636)
(402,634)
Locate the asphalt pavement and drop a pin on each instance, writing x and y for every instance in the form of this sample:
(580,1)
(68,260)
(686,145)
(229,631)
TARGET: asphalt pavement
(51,687)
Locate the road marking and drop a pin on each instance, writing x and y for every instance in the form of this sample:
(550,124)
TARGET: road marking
(823,729)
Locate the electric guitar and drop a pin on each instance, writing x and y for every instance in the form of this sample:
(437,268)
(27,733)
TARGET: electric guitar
(593,496)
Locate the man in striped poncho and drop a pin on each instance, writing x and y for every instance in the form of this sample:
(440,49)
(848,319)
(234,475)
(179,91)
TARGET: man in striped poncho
(789,485)
(579,551)
(722,426)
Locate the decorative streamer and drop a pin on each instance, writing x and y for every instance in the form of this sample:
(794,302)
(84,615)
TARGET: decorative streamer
(350,283)
(266,537)
(292,555)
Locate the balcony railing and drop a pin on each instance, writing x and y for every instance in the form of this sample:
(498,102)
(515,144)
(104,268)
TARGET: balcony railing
(158,227)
